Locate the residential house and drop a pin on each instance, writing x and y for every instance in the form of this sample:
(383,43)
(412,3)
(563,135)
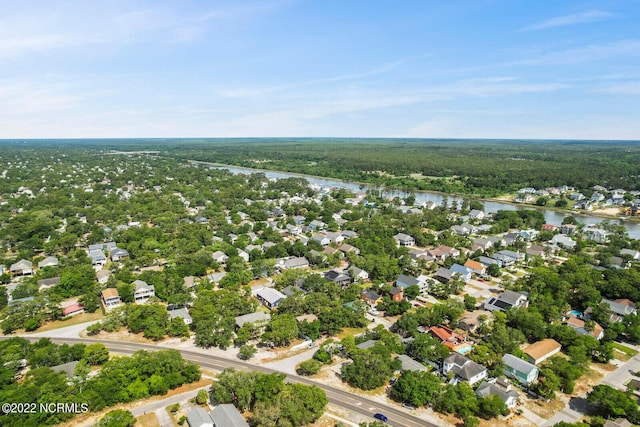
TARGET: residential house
(366,344)
(321,238)
(449,251)
(464,369)
(68,368)
(102,247)
(563,240)
(219,257)
(488,261)
(501,388)
(72,310)
(568,229)
(225,415)
(371,298)
(317,225)
(471,320)
(98,258)
(540,351)
(242,254)
(409,364)
(180,313)
(463,272)
(529,234)
(358,274)
(515,256)
(215,278)
(506,300)
(292,262)
(598,235)
(336,238)
(443,275)
(619,307)
(110,299)
(332,251)
(476,267)
(103,276)
(293,230)
(403,281)
(142,291)
(635,255)
(338,277)
(118,254)
(618,422)
(536,250)
(396,294)
(524,372)
(549,227)
(49,261)
(404,239)
(448,337)
(270,297)
(258,319)
(347,248)
(21,268)
(579,326)
(477,214)
(48,283)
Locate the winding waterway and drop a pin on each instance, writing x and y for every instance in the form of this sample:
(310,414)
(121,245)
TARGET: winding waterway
(551,216)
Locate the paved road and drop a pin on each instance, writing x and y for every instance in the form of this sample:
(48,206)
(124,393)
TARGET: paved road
(341,398)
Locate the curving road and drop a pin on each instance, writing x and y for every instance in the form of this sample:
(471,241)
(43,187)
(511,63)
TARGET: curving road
(335,396)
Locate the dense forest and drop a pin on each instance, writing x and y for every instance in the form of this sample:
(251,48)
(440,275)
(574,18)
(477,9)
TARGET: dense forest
(479,167)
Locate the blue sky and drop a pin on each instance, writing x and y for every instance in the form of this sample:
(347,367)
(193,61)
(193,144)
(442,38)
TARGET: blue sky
(432,69)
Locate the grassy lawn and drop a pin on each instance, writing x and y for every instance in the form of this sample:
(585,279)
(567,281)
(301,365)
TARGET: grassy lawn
(622,352)
(148,420)
(75,320)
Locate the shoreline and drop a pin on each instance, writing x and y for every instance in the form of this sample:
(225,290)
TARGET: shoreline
(633,220)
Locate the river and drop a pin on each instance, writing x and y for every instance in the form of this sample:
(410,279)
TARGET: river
(550,216)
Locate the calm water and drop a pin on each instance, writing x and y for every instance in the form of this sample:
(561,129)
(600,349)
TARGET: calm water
(551,217)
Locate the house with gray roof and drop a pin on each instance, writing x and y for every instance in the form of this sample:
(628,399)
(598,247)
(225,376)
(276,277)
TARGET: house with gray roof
(403,281)
(500,388)
(270,297)
(48,283)
(226,415)
(338,277)
(358,273)
(102,247)
(292,262)
(409,364)
(118,254)
(404,239)
(181,313)
(259,318)
(464,369)
(49,261)
(506,300)
(524,372)
(68,368)
(21,268)
(143,291)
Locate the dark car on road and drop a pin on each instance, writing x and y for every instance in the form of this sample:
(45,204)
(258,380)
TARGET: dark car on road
(380,417)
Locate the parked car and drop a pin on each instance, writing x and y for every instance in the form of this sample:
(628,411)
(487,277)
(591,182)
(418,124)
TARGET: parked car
(408,406)
(380,417)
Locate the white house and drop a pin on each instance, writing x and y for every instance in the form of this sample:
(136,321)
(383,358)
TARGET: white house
(143,291)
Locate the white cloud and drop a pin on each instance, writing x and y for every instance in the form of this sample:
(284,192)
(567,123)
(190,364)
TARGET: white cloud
(629,88)
(593,52)
(574,19)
